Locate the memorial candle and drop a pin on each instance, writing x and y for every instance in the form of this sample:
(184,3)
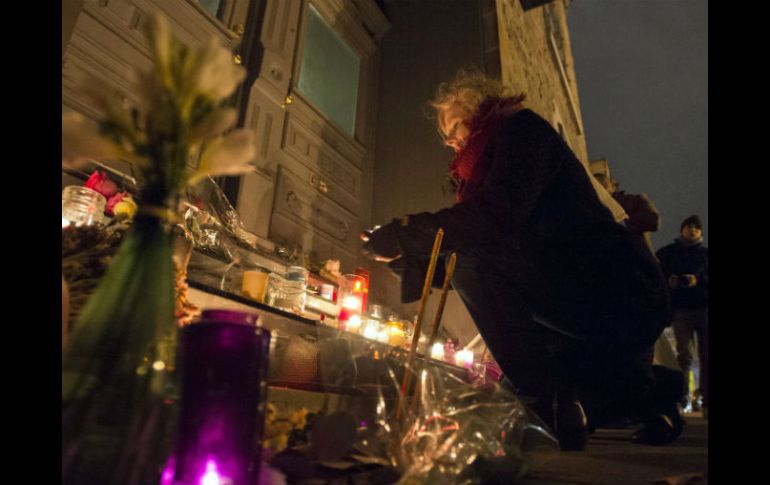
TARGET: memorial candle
(464,358)
(437,352)
(224,360)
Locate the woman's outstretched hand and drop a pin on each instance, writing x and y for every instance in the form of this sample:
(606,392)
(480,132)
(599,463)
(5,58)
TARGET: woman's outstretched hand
(381,243)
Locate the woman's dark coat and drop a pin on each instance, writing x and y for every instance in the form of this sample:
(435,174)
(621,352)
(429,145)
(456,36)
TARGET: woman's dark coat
(538,217)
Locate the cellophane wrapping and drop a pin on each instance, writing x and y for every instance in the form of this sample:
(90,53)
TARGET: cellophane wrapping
(458,433)
(459,429)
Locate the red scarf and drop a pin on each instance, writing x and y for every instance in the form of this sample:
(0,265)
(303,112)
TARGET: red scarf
(468,169)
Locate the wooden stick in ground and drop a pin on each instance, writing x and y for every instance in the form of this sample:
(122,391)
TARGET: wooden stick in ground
(418,323)
(434,330)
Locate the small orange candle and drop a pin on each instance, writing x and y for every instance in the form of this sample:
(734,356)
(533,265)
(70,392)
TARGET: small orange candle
(254,285)
(396,335)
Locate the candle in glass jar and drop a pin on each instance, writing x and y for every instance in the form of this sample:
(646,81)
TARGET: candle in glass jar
(351,302)
(81,206)
(370,330)
(464,358)
(353,323)
(396,335)
(254,285)
(437,351)
(224,360)
(350,299)
(382,335)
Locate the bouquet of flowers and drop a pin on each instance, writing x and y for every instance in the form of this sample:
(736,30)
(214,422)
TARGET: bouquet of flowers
(116,391)
(120,204)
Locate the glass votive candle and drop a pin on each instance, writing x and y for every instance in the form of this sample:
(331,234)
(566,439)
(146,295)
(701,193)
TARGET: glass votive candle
(254,284)
(352,323)
(81,206)
(371,329)
(396,334)
(297,273)
(289,295)
(464,358)
(437,351)
(382,334)
(350,301)
(224,362)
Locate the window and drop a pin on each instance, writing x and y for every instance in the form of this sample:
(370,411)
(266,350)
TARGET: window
(329,72)
(211,6)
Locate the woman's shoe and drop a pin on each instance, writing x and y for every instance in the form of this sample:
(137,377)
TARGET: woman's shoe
(661,429)
(571,425)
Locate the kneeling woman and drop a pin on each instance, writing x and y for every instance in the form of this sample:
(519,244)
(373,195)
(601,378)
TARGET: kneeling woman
(569,302)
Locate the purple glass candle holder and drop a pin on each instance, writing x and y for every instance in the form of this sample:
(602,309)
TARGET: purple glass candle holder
(224,362)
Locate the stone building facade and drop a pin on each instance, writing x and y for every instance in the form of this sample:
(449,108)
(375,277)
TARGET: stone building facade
(536,58)
(313,183)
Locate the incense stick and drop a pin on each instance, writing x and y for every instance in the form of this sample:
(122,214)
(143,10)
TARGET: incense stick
(434,330)
(418,323)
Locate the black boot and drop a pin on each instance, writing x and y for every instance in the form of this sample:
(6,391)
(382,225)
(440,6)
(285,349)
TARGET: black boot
(660,410)
(660,429)
(571,424)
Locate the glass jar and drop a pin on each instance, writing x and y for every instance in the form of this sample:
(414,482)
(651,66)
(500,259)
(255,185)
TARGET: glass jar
(396,333)
(224,363)
(375,311)
(286,294)
(254,284)
(297,273)
(350,302)
(81,206)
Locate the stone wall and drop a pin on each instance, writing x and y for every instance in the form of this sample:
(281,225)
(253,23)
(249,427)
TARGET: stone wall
(536,58)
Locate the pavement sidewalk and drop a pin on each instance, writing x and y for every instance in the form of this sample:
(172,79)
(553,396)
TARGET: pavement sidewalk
(613,460)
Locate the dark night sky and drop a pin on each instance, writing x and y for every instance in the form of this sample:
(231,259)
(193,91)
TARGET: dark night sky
(642,68)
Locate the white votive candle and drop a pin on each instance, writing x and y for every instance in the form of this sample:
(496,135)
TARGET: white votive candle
(370,331)
(382,336)
(354,323)
(437,351)
(464,358)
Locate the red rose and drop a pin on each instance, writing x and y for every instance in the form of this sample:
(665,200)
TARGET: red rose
(100,182)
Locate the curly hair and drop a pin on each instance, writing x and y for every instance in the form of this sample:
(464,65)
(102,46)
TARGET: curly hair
(468,89)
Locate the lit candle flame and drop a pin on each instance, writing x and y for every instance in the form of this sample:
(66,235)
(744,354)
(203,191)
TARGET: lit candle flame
(370,332)
(211,477)
(464,358)
(437,351)
(354,322)
(352,303)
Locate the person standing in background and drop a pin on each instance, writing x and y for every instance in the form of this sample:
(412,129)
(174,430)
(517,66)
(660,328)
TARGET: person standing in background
(643,216)
(643,219)
(685,265)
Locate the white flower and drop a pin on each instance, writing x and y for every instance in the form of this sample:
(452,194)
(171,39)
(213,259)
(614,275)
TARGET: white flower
(81,141)
(161,41)
(213,73)
(214,123)
(179,110)
(226,155)
(114,108)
